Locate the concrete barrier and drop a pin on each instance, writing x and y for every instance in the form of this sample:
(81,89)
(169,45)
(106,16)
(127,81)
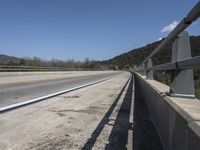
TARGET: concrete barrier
(177,120)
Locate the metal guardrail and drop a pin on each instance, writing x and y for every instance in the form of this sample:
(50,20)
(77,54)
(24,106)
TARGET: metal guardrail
(186,21)
(32,68)
(182,64)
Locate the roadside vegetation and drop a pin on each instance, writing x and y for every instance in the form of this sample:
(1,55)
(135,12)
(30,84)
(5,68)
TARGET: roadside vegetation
(36,62)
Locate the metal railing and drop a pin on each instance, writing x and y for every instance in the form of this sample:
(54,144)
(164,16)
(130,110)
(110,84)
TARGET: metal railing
(182,64)
(32,68)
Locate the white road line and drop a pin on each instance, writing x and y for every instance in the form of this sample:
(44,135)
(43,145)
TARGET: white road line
(20,104)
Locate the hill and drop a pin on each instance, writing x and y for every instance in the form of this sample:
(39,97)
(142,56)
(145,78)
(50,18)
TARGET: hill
(9,60)
(132,58)
(136,56)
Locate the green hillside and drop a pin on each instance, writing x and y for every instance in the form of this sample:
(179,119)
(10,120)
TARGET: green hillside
(136,56)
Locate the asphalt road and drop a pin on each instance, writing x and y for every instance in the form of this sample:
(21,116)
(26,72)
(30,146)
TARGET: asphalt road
(22,91)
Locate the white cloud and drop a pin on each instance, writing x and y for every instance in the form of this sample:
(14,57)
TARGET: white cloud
(170,27)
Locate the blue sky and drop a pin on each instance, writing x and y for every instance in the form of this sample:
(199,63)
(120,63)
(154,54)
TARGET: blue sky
(76,29)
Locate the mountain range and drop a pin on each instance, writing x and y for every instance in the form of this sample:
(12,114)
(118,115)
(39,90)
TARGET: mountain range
(129,59)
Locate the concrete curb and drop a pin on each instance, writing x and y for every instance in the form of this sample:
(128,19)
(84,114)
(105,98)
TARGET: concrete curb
(176,119)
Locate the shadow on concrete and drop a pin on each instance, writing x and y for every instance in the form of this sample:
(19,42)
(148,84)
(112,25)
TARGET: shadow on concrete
(145,136)
(118,138)
(119,134)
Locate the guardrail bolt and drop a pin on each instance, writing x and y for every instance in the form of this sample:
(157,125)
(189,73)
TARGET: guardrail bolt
(182,82)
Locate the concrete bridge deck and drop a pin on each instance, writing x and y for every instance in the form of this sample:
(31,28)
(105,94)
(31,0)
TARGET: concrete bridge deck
(124,112)
(102,116)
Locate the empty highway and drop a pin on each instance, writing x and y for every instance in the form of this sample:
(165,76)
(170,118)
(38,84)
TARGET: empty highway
(20,87)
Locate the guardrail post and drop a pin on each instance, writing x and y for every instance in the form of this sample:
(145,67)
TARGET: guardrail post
(182,82)
(143,70)
(149,72)
(138,69)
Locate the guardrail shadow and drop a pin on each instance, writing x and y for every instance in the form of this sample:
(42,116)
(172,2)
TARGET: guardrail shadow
(118,138)
(119,134)
(145,136)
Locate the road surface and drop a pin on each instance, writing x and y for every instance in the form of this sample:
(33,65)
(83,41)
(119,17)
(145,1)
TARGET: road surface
(16,88)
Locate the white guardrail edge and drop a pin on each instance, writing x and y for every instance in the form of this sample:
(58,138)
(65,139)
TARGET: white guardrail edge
(24,103)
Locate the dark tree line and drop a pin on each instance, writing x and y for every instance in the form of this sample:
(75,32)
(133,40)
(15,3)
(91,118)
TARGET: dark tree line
(136,56)
(38,62)
(70,64)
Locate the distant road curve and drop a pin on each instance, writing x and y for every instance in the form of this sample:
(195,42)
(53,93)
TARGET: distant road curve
(15,88)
